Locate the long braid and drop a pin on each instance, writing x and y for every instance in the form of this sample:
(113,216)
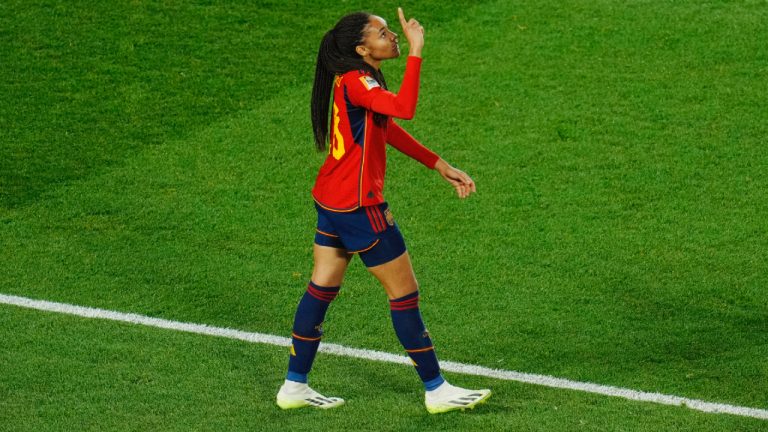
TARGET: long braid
(337,56)
(321,93)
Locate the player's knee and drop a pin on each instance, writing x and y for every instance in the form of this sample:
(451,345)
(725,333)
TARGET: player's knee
(401,289)
(410,286)
(327,280)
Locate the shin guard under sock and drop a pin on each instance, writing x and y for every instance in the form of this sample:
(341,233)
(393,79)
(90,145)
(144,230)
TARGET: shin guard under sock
(414,337)
(307,329)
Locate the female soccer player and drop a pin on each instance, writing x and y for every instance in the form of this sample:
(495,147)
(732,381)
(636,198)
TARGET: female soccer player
(353,217)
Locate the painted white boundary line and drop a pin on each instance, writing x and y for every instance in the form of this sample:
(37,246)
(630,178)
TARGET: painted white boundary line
(340,350)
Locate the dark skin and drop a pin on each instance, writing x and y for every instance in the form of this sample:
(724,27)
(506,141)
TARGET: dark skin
(380,43)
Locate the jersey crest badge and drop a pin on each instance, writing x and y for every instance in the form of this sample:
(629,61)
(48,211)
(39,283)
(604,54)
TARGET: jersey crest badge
(389,217)
(369,82)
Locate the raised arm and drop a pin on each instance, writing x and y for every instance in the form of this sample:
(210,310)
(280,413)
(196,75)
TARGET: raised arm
(402,105)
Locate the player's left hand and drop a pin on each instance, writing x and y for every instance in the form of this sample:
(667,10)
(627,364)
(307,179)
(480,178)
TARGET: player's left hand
(463,183)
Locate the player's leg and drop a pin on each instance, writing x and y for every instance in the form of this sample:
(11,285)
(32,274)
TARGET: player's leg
(399,281)
(330,264)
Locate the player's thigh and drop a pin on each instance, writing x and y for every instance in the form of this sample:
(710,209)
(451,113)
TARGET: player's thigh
(330,265)
(396,276)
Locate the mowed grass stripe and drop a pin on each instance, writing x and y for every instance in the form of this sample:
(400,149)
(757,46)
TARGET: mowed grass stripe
(68,373)
(340,350)
(597,250)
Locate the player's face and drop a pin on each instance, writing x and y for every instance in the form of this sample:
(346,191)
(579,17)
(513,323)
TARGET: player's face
(379,41)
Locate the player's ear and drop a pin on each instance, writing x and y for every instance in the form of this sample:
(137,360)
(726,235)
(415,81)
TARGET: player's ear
(362,50)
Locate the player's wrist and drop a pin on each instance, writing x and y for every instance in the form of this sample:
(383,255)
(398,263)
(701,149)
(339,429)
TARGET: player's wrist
(414,53)
(414,50)
(441,166)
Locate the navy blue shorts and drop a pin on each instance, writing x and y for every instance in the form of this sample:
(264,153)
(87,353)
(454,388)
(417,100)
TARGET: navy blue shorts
(370,232)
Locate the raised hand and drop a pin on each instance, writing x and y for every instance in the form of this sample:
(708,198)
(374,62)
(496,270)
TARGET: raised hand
(413,32)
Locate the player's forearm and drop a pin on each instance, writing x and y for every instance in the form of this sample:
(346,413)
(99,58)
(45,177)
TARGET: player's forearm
(403,104)
(400,139)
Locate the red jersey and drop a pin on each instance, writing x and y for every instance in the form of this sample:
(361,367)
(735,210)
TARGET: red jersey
(353,173)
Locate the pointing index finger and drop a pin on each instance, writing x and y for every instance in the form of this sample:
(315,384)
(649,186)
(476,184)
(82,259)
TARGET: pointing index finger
(401,16)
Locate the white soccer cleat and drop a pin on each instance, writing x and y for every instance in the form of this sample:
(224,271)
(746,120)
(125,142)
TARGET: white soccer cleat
(448,398)
(297,395)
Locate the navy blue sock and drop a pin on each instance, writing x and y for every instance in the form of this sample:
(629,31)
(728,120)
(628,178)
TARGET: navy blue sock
(307,329)
(414,337)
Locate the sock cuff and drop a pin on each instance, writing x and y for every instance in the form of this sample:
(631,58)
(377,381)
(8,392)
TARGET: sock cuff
(325,294)
(434,383)
(296,377)
(410,301)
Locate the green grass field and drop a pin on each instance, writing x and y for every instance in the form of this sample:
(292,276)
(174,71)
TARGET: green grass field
(156,158)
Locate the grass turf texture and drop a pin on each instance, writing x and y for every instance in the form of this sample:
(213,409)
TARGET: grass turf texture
(161,165)
(64,373)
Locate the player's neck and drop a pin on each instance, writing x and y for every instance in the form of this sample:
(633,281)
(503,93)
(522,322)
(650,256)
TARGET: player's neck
(376,64)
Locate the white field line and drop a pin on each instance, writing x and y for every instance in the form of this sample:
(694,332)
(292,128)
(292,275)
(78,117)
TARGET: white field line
(340,350)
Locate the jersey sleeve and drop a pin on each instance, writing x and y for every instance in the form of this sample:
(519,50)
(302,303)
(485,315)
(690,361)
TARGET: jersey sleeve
(364,91)
(398,138)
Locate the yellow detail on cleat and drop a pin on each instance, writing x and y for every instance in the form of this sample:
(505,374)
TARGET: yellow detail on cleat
(293,351)
(414,363)
(291,404)
(297,395)
(447,408)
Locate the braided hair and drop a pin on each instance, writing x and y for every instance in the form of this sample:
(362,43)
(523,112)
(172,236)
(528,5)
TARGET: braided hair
(337,55)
